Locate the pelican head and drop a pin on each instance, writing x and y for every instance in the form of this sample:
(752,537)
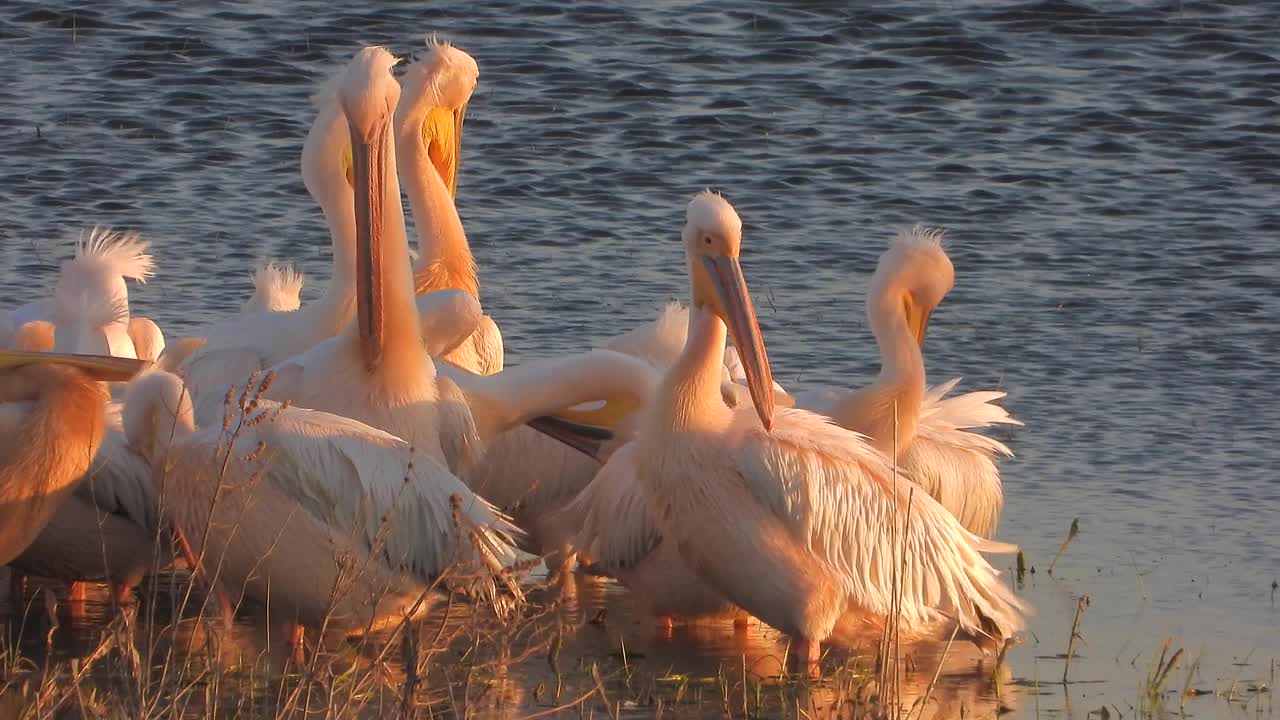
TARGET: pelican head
(912,277)
(368,95)
(712,237)
(438,87)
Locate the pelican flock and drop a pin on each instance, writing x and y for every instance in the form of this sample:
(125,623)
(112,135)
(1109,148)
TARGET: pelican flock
(338,461)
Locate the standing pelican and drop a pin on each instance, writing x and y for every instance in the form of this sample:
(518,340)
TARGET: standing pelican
(326,520)
(927,430)
(275,289)
(51,418)
(428,127)
(234,347)
(379,370)
(793,521)
(95,278)
(534,477)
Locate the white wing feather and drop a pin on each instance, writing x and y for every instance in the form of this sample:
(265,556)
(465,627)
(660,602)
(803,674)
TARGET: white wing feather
(837,496)
(367,483)
(617,530)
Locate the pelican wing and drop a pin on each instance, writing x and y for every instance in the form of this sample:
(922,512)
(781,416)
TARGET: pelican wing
(958,467)
(617,530)
(838,496)
(660,341)
(945,419)
(458,436)
(119,479)
(446,318)
(481,351)
(208,374)
(368,483)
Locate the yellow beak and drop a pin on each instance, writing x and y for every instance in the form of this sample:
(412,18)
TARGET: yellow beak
(917,318)
(369,163)
(739,314)
(96,367)
(442,135)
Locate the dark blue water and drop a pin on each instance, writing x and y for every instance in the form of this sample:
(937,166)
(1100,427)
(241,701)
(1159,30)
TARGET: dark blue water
(1108,172)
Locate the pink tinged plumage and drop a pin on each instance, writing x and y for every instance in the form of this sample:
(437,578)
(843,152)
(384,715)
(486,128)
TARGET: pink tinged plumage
(794,525)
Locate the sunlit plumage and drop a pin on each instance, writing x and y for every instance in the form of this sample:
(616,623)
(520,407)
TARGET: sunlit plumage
(92,287)
(52,420)
(106,529)
(792,521)
(929,431)
(428,129)
(275,289)
(236,346)
(326,517)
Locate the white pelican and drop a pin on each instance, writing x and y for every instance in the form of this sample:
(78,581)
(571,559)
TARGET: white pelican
(954,466)
(534,477)
(379,370)
(428,127)
(328,521)
(95,277)
(275,289)
(105,530)
(51,424)
(793,521)
(234,347)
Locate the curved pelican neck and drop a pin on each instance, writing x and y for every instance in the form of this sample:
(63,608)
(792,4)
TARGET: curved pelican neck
(898,389)
(519,394)
(689,395)
(325,179)
(444,257)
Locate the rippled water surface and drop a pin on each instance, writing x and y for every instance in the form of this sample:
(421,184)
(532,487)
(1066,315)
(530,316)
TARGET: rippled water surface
(1108,174)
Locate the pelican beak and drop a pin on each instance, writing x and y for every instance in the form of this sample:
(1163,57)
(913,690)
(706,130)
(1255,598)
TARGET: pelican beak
(917,318)
(739,314)
(586,439)
(369,164)
(588,427)
(459,115)
(96,367)
(442,134)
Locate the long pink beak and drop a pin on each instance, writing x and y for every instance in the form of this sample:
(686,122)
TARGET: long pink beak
(739,314)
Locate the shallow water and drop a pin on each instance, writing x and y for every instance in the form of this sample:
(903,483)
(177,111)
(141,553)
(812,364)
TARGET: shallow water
(1108,175)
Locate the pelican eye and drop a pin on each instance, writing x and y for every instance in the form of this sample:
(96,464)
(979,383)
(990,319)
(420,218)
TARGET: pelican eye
(706,239)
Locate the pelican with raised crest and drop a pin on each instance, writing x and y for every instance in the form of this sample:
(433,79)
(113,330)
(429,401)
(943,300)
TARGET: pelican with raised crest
(929,432)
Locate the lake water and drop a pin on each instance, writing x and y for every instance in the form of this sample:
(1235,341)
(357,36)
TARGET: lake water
(1108,174)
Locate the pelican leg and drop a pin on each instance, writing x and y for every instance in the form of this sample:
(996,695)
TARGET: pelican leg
(225,612)
(562,561)
(805,654)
